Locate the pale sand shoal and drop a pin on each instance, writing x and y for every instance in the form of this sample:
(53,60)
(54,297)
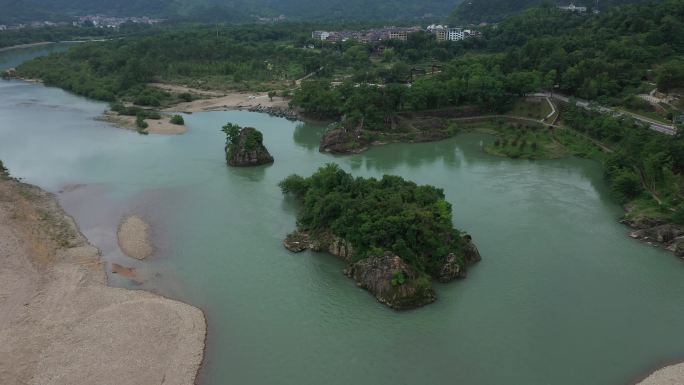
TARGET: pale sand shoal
(669,375)
(60,323)
(161,126)
(134,237)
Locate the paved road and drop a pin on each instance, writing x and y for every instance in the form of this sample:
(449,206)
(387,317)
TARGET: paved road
(654,125)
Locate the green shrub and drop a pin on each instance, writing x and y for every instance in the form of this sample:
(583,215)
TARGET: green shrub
(398,279)
(177,119)
(4,173)
(626,185)
(140,123)
(678,216)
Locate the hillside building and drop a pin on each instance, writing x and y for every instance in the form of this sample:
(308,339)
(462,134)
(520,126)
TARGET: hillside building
(573,8)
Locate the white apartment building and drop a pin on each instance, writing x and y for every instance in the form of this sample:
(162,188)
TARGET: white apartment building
(455,34)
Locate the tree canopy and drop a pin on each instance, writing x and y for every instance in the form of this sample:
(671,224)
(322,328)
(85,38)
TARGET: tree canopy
(389,214)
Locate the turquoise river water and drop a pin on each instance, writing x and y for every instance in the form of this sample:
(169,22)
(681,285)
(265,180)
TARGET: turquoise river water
(562,295)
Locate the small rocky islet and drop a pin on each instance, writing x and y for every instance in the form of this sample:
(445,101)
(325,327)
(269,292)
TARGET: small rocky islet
(245,146)
(395,256)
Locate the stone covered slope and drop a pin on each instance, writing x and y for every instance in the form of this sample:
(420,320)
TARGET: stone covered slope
(658,232)
(59,321)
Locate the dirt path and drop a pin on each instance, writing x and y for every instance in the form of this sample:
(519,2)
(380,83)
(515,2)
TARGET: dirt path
(59,321)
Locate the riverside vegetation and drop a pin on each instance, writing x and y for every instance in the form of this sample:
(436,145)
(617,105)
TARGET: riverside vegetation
(395,235)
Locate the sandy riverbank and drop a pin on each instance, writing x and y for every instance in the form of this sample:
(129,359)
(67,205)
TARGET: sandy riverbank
(669,375)
(59,321)
(220,100)
(231,101)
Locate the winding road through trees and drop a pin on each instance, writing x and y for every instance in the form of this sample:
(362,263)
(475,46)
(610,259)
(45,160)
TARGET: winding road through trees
(654,125)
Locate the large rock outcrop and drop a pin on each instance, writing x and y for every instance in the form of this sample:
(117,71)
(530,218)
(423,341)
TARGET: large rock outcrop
(343,141)
(248,150)
(658,233)
(392,281)
(454,266)
(302,240)
(388,277)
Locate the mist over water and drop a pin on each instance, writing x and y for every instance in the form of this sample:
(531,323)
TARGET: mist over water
(562,295)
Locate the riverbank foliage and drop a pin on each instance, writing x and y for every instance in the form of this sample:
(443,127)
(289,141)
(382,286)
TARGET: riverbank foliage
(239,56)
(389,214)
(525,141)
(644,166)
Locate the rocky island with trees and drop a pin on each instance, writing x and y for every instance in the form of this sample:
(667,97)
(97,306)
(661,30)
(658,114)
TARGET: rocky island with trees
(245,146)
(396,236)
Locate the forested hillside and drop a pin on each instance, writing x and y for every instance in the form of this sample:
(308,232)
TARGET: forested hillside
(608,58)
(226,10)
(477,11)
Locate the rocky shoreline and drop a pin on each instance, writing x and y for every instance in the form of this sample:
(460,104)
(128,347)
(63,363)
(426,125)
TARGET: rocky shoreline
(277,111)
(388,277)
(657,232)
(343,141)
(59,321)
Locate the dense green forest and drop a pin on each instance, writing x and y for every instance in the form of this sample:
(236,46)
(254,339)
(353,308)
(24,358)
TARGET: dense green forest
(241,57)
(224,10)
(607,58)
(390,214)
(488,11)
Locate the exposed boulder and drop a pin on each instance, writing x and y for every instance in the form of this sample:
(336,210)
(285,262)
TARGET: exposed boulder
(470,252)
(641,223)
(660,234)
(340,247)
(678,247)
(451,269)
(657,232)
(343,141)
(456,266)
(302,240)
(247,149)
(297,242)
(392,281)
